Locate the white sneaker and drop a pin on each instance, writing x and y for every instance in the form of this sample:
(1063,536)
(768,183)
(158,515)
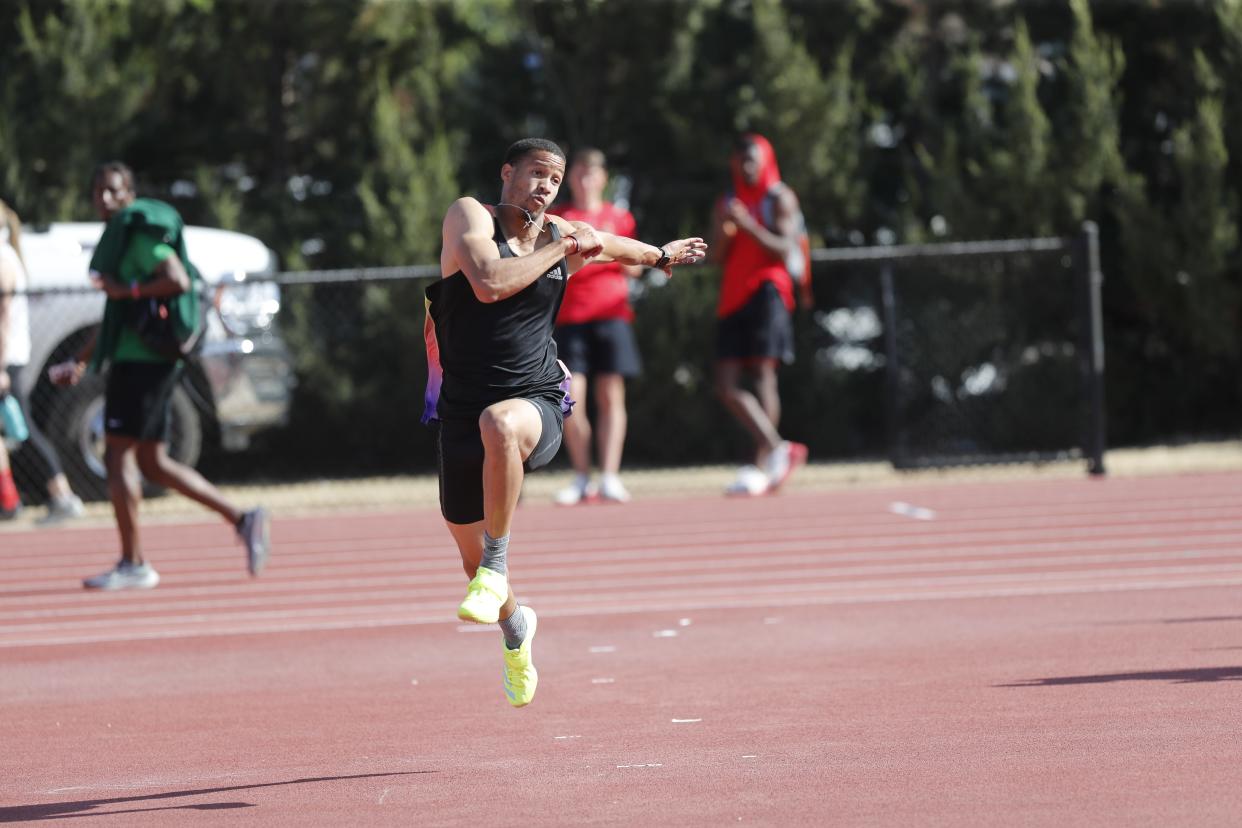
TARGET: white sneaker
(750,482)
(612,490)
(576,493)
(61,509)
(782,463)
(125,575)
(776,466)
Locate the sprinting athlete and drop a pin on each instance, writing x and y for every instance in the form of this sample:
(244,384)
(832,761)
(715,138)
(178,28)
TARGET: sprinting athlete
(495,385)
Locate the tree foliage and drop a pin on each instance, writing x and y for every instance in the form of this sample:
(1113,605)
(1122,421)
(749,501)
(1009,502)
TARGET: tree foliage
(339,130)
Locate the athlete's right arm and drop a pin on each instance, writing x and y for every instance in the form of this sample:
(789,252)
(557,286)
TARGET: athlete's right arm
(470,248)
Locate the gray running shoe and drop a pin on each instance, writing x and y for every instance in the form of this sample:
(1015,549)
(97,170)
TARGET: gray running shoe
(255,532)
(62,509)
(125,575)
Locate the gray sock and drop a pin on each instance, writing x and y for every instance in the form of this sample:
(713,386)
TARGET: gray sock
(514,629)
(495,553)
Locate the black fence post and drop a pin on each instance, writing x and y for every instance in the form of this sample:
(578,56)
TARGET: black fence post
(1091,359)
(892,367)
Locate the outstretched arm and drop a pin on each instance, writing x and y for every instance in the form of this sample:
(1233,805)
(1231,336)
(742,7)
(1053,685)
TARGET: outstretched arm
(469,247)
(605,247)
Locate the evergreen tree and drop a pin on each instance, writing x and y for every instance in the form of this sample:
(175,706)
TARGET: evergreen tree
(1088,145)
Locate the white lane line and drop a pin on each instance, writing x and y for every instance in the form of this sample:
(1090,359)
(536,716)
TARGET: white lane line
(665,634)
(685,721)
(846,526)
(602,648)
(810,580)
(603,680)
(730,571)
(775,601)
(630,561)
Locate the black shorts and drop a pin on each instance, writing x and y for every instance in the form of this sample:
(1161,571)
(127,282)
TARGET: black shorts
(460,450)
(603,347)
(138,398)
(760,329)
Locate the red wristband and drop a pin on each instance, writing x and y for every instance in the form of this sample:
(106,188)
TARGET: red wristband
(577,246)
(133,290)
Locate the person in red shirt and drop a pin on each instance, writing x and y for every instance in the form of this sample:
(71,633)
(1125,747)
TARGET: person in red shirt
(595,339)
(757,229)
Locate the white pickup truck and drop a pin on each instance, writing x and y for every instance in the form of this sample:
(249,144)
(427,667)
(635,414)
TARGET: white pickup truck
(238,383)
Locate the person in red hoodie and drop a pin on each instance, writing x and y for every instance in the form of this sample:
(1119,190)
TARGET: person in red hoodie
(757,232)
(594,338)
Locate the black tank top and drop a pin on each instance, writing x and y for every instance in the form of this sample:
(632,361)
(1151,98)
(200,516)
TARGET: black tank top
(480,353)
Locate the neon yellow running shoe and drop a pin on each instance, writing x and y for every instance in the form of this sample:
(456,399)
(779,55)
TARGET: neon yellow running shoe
(521,677)
(484,597)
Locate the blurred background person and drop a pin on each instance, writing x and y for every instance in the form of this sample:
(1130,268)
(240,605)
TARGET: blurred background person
(595,339)
(757,229)
(141,256)
(62,503)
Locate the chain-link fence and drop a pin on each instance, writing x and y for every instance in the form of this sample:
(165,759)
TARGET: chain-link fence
(994,350)
(931,355)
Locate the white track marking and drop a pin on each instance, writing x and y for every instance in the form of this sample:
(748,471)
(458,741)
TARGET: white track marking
(900,507)
(756,602)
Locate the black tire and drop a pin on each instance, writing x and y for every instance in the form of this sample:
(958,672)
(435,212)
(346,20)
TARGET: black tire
(77,430)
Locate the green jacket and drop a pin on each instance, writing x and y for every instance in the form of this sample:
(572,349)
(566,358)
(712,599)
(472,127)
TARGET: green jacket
(159,219)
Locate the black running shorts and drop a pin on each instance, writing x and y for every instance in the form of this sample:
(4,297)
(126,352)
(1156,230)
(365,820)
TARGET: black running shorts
(460,450)
(606,346)
(760,329)
(138,399)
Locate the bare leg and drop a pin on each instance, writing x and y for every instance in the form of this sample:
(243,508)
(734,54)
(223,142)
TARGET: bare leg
(746,408)
(162,470)
(469,539)
(767,391)
(510,431)
(58,487)
(611,419)
(125,492)
(578,427)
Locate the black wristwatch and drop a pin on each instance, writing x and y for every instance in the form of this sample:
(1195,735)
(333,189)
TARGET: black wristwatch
(663,261)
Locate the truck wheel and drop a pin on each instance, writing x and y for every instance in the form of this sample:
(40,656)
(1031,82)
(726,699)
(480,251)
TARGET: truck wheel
(77,428)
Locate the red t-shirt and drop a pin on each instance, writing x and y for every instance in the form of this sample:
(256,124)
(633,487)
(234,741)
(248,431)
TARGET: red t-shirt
(598,291)
(747,266)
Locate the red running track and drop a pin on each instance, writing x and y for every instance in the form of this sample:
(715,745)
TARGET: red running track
(1056,652)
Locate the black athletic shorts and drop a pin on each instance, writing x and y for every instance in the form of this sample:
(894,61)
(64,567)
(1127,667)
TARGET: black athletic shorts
(460,450)
(138,399)
(603,347)
(760,329)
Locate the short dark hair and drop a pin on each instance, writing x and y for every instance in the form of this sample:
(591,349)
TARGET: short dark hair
(520,149)
(108,167)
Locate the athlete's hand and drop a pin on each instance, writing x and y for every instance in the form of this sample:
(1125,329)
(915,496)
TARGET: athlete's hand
(111,287)
(67,372)
(684,252)
(736,212)
(5,382)
(589,244)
